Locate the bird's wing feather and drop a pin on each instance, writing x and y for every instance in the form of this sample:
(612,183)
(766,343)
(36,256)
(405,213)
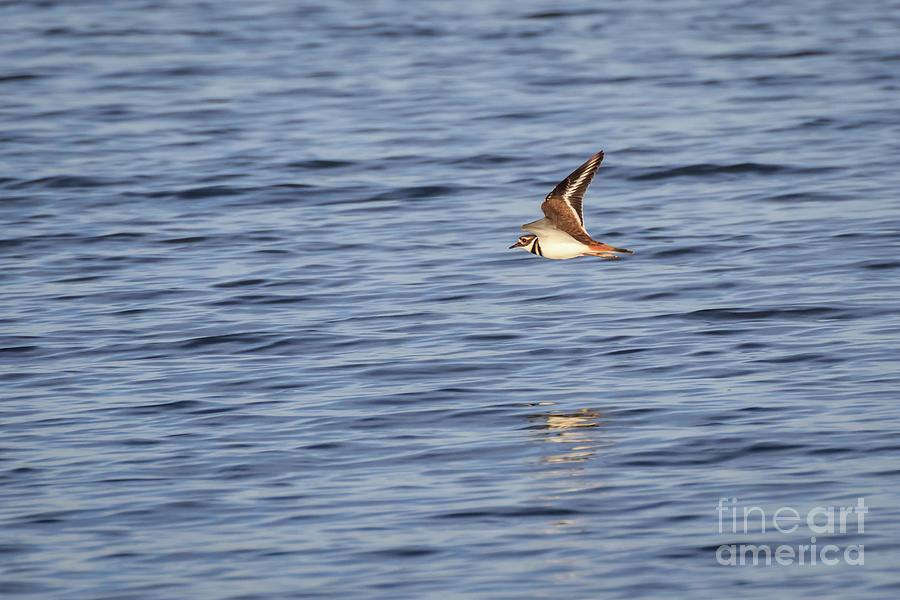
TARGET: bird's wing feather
(539,227)
(563,205)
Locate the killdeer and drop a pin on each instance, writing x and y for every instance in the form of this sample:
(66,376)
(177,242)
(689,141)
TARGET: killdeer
(561,234)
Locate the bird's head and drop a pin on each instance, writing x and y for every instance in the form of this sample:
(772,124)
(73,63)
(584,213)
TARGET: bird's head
(525,242)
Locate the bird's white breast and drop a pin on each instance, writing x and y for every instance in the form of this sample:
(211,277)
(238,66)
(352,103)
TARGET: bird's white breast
(560,248)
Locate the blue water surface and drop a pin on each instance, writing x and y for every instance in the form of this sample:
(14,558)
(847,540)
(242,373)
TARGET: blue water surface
(262,336)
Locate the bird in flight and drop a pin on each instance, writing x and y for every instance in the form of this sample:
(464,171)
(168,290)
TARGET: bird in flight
(561,234)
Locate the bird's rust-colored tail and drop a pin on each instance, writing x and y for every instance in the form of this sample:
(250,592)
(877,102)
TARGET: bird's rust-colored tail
(598,247)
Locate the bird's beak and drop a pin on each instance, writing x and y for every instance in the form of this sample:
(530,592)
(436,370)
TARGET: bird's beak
(516,245)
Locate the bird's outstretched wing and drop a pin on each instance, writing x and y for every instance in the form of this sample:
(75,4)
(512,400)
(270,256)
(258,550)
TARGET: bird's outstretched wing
(563,205)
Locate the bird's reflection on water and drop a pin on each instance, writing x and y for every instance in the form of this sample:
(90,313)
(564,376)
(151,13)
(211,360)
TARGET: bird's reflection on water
(576,436)
(576,432)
